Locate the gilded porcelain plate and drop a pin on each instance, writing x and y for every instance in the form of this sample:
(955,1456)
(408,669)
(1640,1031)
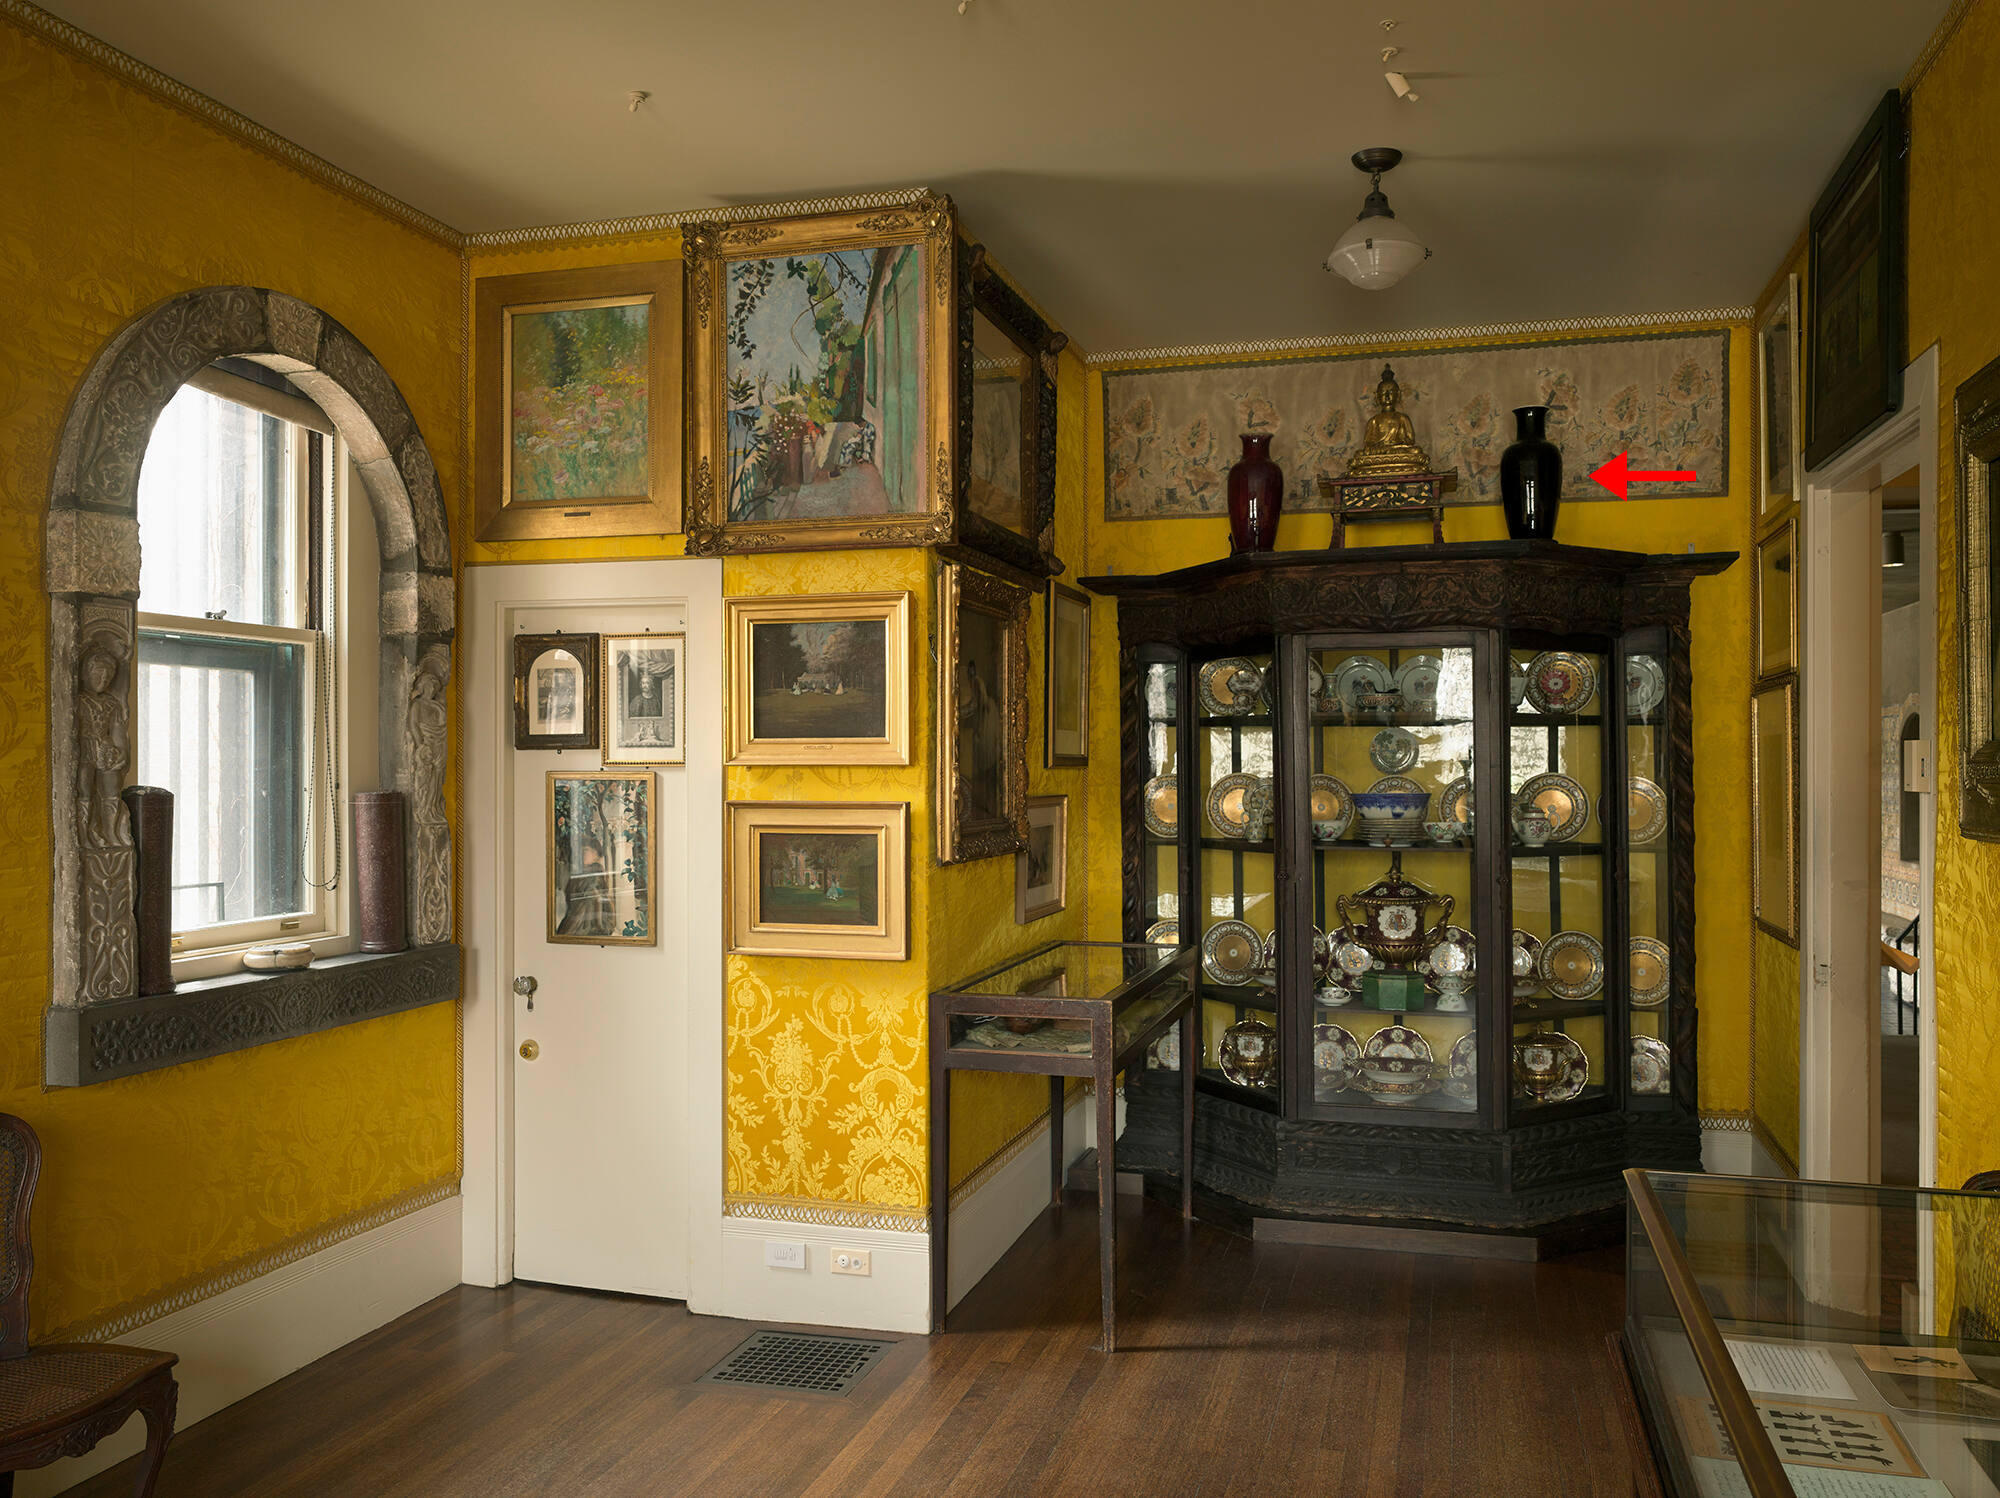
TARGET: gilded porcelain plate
(1396,1053)
(1565,802)
(1230,688)
(1165,933)
(1236,802)
(1161,803)
(1652,1067)
(1231,953)
(1417,680)
(1455,804)
(1335,1054)
(1322,956)
(1572,965)
(1645,686)
(1461,1068)
(1360,674)
(1397,785)
(1652,973)
(1332,808)
(1350,958)
(1550,1067)
(1645,811)
(1393,749)
(1455,955)
(1525,953)
(1561,681)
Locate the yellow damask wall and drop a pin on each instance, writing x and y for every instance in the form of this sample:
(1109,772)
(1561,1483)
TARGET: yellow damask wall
(1721,634)
(1955,304)
(114,202)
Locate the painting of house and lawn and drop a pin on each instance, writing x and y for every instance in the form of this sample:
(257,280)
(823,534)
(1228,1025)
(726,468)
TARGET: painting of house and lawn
(818,878)
(825,385)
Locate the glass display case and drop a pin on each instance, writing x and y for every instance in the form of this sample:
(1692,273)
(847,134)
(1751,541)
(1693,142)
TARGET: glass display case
(1790,1337)
(1425,816)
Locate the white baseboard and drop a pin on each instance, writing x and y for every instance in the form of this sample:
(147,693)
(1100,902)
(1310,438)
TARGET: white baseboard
(236,1343)
(985,1224)
(1738,1152)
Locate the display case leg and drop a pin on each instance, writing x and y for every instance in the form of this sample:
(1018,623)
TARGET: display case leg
(1187,1116)
(1107,1194)
(1055,1141)
(940,1190)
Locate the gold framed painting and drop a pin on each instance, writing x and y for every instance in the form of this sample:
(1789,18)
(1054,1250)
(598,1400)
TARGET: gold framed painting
(1774,819)
(1778,429)
(819,680)
(821,358)
(819,879)
(645,699)
(1041,870)
(982,715)
(577,403)
(602,858)
(1066,663)
(1778,601)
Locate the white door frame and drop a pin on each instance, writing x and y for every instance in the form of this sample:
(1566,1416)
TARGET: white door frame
(486,729)
(1841,525)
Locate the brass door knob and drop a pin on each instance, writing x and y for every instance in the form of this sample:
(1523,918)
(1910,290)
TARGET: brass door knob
(529,1050)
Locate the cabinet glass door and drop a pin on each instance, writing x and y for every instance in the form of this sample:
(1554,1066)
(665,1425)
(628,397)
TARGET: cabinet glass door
(1391,739)
(1649,870)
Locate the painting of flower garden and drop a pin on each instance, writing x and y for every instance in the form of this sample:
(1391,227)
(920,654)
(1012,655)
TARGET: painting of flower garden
(824,385)
(578,400)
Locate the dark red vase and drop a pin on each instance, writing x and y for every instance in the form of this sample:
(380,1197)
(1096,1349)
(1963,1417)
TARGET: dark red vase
(1256,495)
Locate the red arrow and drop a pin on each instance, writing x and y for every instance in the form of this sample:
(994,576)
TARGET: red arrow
(1617,476)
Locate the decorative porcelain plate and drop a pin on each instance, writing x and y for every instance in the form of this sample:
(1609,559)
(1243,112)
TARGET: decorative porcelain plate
(1572,965)
(1165,933)
(1322,958)
(1461,1068)
(1397,1050)
(1332,808)
(1350,959)
(1235,801)
(1652,1067)
(1565,802)
(1393,749)
(1231,953)
(1230,688)
(1454,956)
(1161,802)
(1561,681)
(1315,686)
(1455,804)
(1360,674)
(1517,682)
(1166,1052)
(1386,1091)
(1645,811)
(1399,785)
(1335,1052)
(1645,686)
(1417,680)
(1525,954)
(1549,1067)
(1652,973)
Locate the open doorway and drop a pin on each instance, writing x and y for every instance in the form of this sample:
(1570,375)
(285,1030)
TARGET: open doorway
(1905,730)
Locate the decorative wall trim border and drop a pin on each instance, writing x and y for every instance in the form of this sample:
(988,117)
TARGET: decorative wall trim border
(878,1216)
(1413,336)
(132,1314)
(656,223)
(123,1037)
(1730,1120)
(58,32)
(1940,38)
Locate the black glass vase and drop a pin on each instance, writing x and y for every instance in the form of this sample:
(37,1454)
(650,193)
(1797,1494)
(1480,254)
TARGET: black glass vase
(1531,477)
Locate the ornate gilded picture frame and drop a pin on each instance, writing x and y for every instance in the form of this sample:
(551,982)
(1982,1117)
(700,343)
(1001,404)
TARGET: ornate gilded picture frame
(1774,818)
(819,680)
(1006,425)
(603,858)
(822,373)
(577,403)
(1977,417)
(819,879)
(1778,403)
(982,715)
(1777,611)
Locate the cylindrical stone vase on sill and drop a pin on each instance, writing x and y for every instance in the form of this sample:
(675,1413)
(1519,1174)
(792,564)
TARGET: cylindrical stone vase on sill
(380,898)
(1256,495)
(152,812)
(1531,477)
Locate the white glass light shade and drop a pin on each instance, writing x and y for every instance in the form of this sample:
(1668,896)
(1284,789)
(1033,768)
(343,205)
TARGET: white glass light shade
(1376,253)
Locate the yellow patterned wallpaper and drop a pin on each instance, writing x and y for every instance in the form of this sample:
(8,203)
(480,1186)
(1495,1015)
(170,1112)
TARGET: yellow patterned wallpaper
(1954,220)
(116,201)
(1721,632)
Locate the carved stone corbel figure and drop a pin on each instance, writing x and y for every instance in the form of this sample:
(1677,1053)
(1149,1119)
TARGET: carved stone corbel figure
(103,745)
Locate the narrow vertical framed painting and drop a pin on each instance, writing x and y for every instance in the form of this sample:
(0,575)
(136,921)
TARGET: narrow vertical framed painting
(577,401)
(1778,402)
(555,691)
(1774,831)
(645,699)
(602,858)
(822,380)
(1041,870)
(1066,661)
(982,715)
(1778,601)
(819,879)
(819,680)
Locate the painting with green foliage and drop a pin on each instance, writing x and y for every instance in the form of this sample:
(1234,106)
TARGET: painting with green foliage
(818,879)
(825,385)
(577,397)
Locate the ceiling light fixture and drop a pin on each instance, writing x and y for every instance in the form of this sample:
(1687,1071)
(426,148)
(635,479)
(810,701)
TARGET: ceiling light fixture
(1376,251)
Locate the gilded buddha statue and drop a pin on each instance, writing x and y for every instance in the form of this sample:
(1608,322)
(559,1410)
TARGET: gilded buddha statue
(1388,442)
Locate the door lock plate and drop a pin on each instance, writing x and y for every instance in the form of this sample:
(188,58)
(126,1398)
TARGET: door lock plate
(529,1050)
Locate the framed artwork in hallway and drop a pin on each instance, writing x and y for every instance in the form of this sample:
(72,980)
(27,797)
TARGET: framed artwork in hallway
(982,716)
(555,691)
(1778,403)
(819,680)
(1774,816)
(818,879)
(645,700)
(601,858)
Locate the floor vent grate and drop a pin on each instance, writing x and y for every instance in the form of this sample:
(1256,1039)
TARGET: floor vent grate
(798,1362)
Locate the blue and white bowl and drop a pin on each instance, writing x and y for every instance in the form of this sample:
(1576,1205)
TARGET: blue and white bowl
(1392,819)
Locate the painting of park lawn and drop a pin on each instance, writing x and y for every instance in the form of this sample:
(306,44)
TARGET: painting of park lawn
(577,398)
(824,385)
(820,680)
(818,879)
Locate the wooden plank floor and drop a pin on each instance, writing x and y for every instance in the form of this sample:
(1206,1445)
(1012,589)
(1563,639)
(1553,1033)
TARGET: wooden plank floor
(1243,1369)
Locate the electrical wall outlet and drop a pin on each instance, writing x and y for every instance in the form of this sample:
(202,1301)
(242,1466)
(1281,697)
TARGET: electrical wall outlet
(851,1261)
(782,1253)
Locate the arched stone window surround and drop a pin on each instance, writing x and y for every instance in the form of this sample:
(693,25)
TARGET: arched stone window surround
(91,565)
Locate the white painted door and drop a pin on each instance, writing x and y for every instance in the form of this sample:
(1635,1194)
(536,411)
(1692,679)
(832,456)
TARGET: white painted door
(600,1099)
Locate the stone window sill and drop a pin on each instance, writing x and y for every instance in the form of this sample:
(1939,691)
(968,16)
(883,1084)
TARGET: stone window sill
(214,1016)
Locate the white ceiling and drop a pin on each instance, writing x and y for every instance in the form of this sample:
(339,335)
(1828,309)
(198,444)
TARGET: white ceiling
(1154,173)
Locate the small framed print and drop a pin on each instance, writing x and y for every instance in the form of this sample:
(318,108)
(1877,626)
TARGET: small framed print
(601,858)
(1066,723)
(819,879)
(555,691)
(1778,602)
(1041,870)
(819,681)
(645,700)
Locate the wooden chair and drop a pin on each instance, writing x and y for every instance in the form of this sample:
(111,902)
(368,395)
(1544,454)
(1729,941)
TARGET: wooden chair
(62,1399)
